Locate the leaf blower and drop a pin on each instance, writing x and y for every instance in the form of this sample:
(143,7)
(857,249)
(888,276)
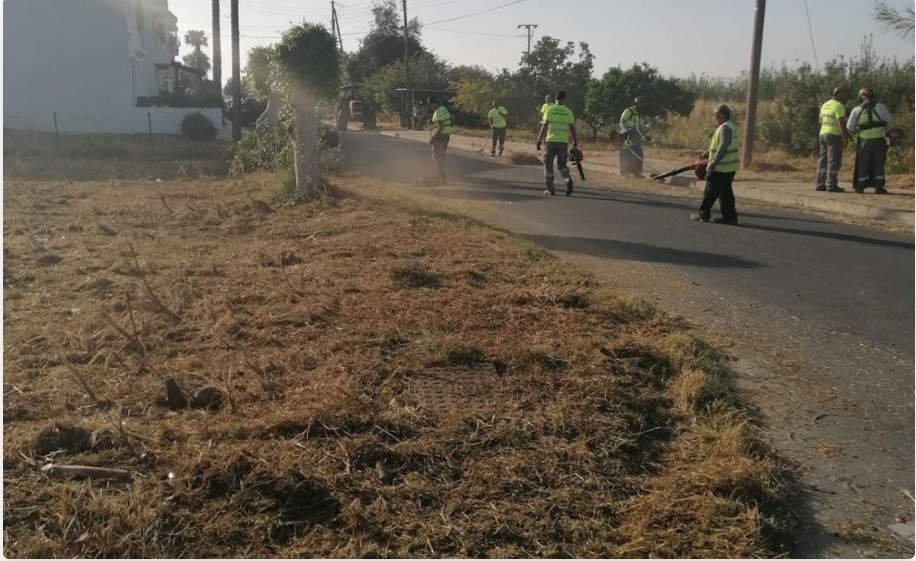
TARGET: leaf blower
(575,158)
(698,166)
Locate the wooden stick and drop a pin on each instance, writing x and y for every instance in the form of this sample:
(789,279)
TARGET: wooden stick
(86,472)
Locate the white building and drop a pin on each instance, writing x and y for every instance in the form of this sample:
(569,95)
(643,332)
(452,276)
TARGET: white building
(87,63)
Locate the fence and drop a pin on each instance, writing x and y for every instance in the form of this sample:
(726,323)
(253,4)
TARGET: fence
(132,120)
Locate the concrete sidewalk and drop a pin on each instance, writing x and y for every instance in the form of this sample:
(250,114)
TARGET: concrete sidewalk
(896,207)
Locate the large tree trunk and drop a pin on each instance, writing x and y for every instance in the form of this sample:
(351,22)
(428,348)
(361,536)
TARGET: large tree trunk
(305,147)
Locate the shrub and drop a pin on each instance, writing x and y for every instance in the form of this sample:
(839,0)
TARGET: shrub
(197,126)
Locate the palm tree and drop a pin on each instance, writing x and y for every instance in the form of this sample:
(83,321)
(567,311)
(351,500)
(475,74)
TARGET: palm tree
(196,38)
(197,59)
(901,24)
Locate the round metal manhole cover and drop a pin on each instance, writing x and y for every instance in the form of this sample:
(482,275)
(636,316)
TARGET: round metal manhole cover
(443,390)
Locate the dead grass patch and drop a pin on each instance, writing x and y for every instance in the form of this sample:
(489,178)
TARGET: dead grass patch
(522,158)
(394,383)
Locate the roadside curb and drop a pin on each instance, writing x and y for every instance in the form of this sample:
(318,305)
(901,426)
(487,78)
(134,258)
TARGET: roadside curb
(826,202)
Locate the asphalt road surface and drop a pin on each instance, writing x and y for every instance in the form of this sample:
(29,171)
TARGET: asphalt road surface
(834,300)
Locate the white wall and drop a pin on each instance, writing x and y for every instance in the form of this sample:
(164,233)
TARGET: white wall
(68,56)
(132,120)
(72,57)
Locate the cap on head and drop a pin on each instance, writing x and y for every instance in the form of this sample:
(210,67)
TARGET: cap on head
(839,91)
(724,110)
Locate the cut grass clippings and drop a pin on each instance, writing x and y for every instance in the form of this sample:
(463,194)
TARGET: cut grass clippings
(396,384)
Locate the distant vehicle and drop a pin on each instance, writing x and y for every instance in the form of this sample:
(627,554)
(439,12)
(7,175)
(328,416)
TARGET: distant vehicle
(353,107)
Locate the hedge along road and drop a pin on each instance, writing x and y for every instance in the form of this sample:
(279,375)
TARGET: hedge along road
(821,314)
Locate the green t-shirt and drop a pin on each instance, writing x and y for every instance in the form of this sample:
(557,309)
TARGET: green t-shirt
(830,112)
(497,117)
(558,118)
(544,108)
(442,114)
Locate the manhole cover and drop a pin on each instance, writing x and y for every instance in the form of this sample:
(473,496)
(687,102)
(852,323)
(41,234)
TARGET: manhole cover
(440,390)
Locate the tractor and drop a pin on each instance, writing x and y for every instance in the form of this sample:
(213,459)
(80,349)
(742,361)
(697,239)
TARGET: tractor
(353,107)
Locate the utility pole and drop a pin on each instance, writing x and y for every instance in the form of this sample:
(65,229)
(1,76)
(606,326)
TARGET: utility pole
(217,53)
(236,74)
(747,151)
(528,27)
(407,100)
(335,25)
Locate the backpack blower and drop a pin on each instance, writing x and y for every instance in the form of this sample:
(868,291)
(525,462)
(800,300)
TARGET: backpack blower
(698,166)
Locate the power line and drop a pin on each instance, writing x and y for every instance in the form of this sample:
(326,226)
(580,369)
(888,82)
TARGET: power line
(516,36)
(475,13)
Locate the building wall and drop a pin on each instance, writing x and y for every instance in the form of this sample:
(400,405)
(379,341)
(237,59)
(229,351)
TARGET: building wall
(73,58)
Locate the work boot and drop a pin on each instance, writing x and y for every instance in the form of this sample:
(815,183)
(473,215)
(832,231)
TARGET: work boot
(569,187)
(820,188)
(492,153)
(696,216)
(732,222)
(880,191)
(835,190)
(859,190)
(549,190)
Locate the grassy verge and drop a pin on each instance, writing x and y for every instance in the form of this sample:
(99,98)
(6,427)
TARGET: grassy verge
(391,381)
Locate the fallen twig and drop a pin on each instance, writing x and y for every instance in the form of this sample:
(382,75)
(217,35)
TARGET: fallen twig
(86,472)
(149,290)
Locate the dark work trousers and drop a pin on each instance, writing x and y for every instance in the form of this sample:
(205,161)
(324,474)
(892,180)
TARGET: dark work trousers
(830,160)
(872,154)
(630,164)
(556,150)
(440,145)
(719,186)
(499,135)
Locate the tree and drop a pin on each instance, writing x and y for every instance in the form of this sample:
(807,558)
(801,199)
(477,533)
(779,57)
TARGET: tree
(227,89)
(197,58)
(475,87)
(608,97)
(309,61)
(546,70)
(258,70)
(384,43)
(900,24)
(427,72)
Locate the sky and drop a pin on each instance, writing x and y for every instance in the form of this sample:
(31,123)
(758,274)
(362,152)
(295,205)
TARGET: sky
(678,37)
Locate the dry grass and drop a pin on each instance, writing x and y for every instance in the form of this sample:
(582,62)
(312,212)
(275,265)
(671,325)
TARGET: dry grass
(522,158)
(397,383)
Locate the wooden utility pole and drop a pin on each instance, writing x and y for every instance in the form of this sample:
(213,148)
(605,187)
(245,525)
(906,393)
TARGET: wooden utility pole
(236,74)
(217,51)
(753,83)
(335,25)
(407,100)
(528,27)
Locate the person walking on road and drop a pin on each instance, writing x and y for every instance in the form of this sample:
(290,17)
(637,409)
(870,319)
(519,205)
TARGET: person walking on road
(442,121)
(632,136)
(548,101)
(497,118)
(833,138)
(869,123)
(720,171)
(557,129)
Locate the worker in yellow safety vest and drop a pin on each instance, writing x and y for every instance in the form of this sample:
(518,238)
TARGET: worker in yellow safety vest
(721,169)
(632,135)
(497,119)
(557,129)
(832,138)
(868,123)
(548,101)
(442,122)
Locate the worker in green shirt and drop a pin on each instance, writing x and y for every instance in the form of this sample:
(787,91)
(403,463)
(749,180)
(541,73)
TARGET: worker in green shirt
(497,118)
(548,101)
(832,139)
(442,129)
(557,129)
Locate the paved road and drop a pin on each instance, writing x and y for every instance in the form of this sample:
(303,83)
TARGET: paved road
(837,300)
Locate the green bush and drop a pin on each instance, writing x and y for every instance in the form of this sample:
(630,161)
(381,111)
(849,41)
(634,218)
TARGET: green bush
(267,149)
(197,126)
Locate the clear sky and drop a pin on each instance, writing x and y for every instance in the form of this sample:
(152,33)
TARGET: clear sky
(676,36)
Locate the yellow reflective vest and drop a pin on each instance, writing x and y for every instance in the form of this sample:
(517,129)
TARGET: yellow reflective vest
(730,162)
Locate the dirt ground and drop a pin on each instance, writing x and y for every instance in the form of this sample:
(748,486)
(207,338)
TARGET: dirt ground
(350,378)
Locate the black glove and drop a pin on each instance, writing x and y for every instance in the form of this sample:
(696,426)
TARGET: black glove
(538,146)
